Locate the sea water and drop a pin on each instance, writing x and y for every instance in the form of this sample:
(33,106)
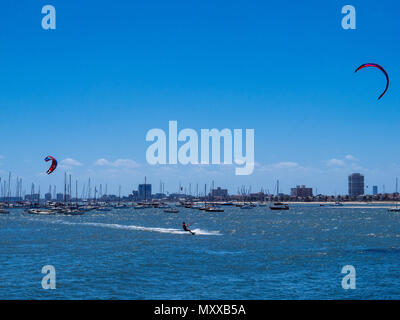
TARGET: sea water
(236,254)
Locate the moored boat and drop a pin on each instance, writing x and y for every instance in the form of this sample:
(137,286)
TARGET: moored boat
(171,210)
(40,211)
(279,206)
(214,209)
(103,209)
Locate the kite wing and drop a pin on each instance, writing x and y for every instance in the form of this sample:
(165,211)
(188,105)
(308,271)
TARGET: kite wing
(380,68)
(53,164)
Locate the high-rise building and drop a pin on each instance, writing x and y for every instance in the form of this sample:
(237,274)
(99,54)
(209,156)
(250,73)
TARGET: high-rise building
(144,192)
(374,190)
(301,191)
(356,184)
(220,193)
(60,197)
(32,197)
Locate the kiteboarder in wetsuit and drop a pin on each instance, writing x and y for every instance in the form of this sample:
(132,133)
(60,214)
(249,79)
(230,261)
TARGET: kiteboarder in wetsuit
(185,227)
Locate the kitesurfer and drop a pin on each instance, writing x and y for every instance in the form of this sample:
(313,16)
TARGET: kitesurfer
(185,227)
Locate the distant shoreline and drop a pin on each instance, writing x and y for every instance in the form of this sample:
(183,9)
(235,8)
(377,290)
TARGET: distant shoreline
(345,202)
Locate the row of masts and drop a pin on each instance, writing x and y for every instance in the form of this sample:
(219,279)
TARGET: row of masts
(88,192)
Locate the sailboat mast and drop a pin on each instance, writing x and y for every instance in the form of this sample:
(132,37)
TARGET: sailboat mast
(65,187)
(9,187)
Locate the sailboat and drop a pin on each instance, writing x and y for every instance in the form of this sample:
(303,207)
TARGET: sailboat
(396,209)
(278,205)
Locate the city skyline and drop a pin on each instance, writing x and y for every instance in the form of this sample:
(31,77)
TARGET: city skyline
(88,92)
(71,188)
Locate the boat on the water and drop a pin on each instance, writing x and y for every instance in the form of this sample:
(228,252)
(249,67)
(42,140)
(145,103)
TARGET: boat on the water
(163,206)
(230,203)
(279,206)
(103,209)
(3,211)
(40,211)
(214,209)
(171,210)
(395,209)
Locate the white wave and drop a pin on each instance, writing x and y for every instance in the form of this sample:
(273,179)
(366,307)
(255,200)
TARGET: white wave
(151,229)
(206,232)
(140,228)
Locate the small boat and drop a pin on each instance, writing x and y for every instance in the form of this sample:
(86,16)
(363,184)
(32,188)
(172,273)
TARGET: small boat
(279,206)
(73,212)
(40,211)
(214,209)
(171,210)
(227,203)
(3,211)
(396,209)
(103,209)
(205,206)
(247,207)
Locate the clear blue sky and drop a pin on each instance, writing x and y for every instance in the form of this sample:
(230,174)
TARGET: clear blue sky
(112,70)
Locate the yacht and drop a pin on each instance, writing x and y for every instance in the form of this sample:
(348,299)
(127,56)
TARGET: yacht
(279,206)
(395,209)
(214,209)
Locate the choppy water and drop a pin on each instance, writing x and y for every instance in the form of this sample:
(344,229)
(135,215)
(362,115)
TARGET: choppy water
(238,254)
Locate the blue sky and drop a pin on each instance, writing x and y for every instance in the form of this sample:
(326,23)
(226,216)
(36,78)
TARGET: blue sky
(112,70)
